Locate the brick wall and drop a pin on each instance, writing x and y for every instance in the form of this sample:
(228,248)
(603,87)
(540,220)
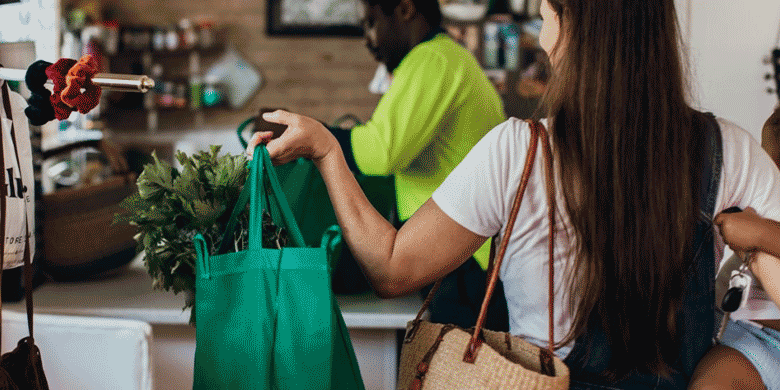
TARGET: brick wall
(322,77)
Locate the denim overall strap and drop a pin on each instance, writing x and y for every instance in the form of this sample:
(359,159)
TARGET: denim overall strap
(696,315)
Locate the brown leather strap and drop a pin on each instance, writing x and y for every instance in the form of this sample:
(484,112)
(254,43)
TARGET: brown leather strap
(425,363)
(416,323)
(537,132)
(551,208)
(495,267)
(28,273)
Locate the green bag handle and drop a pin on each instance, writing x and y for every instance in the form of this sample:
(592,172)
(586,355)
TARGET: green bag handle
(240,131)
(202,251)
(299,173)
(278,195)
(261,163)
(336,123)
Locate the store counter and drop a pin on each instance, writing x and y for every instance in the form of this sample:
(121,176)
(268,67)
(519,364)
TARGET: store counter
(373,323)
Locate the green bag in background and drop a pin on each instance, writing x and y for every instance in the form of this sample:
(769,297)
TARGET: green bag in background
(308,198)
(267,318)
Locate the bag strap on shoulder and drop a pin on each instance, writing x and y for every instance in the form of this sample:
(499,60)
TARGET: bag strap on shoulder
(537,132)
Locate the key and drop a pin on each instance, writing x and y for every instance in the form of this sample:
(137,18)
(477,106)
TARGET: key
(739,288)
(732,299)
(736,295)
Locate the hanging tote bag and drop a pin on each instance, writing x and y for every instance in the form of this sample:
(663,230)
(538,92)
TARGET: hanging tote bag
(19,180)
(267,318)
(21,368)
(439,356)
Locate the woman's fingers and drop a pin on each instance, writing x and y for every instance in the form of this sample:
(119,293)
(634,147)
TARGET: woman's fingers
(304,137)
(256,139)
(279,151)
(281,117)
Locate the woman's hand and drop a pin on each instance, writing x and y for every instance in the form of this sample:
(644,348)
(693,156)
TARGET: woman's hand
(742,231)
(305,137)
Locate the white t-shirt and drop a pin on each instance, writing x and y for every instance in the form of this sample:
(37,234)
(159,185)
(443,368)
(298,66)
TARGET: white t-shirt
(478,195)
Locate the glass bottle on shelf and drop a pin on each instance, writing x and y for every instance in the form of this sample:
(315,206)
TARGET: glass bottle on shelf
(491,45)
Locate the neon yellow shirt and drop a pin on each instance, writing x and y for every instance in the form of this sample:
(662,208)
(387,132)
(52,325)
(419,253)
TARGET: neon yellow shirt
(439,105)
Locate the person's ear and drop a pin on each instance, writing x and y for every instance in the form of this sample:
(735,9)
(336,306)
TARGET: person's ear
(406,10)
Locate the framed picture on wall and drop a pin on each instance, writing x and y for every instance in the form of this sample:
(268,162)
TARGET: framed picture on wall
(315,17)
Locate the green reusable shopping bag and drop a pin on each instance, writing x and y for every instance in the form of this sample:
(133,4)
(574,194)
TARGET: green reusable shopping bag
(267,318)
(308,198)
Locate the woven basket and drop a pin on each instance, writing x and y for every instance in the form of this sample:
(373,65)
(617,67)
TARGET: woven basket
(503,362)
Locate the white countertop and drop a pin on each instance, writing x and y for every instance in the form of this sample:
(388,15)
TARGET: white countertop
(129,294)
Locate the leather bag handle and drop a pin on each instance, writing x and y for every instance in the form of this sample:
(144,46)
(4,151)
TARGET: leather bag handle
(537,132)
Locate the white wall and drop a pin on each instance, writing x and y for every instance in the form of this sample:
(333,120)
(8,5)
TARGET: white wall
(32,21)
(728,41)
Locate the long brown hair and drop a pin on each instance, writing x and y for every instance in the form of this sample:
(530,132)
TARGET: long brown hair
(630,158)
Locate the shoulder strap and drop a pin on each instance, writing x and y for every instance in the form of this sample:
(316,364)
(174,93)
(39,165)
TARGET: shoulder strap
(537,132)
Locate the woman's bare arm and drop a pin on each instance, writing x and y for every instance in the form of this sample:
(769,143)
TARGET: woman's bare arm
(396,262)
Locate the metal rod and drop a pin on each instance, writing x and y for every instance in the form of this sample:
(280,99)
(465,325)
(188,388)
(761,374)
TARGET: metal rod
(123,82)
(107,81)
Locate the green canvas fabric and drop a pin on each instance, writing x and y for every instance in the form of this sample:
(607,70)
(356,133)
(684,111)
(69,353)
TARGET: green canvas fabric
(308,197)
(267,318)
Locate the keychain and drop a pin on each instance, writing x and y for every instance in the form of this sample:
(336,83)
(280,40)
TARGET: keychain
(739,287)
(737,294)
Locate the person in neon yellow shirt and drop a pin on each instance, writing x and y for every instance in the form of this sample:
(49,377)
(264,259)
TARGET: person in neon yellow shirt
(440,103)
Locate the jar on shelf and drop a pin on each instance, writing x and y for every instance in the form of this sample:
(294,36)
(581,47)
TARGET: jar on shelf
(212,92)
(171,38)
(188,35)
(206,34)
(165,98)
(196,92)
(158,39)
(511,47)
(491,47)
(180,96)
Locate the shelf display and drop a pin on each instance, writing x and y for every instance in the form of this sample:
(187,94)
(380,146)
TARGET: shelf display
(507,48)
(173,55)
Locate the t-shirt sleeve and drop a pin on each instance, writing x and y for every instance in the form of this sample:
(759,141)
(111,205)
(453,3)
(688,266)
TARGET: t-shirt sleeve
(475,194)
(407,117)
(750,178)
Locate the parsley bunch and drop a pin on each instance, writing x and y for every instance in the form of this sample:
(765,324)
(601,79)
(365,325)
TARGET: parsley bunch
(172,206)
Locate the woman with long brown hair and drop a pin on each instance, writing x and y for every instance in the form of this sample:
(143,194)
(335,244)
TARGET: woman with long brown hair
(638,176)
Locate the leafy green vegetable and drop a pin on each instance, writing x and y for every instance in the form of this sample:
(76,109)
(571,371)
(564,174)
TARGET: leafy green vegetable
(172,206)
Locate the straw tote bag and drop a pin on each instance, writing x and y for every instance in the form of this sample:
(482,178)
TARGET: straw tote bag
(439,356)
